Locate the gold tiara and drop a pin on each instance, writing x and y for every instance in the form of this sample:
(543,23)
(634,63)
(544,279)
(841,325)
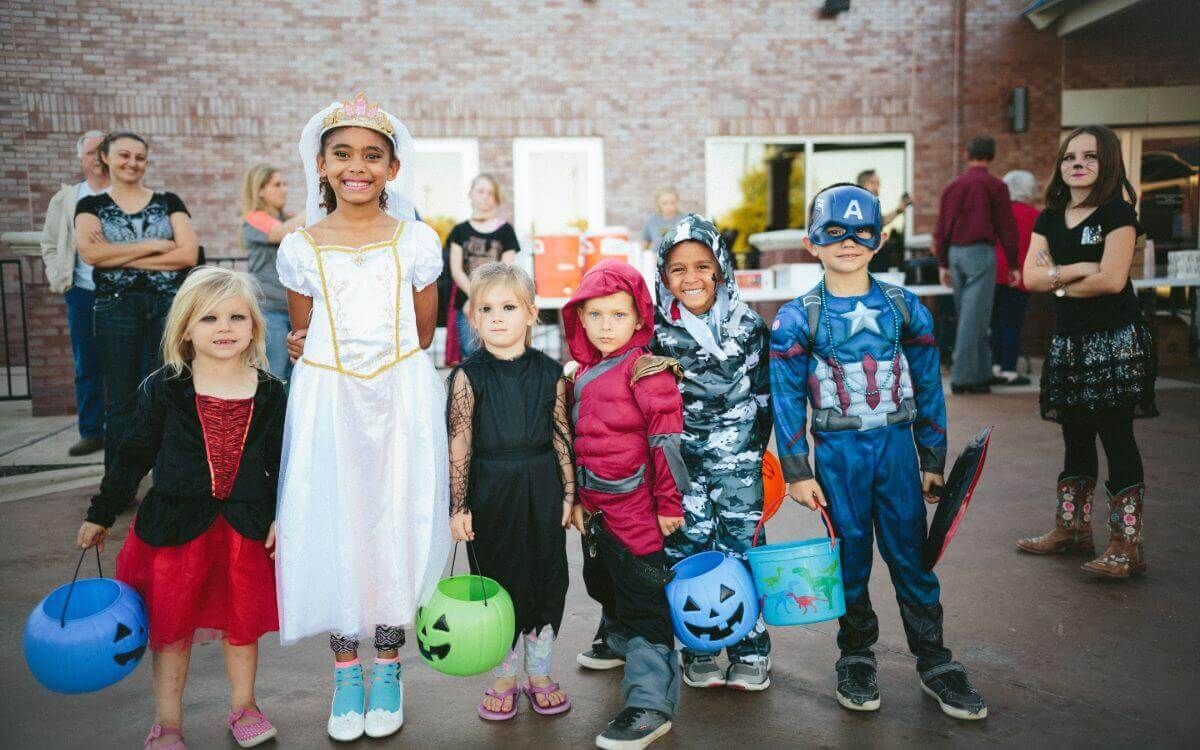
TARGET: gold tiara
(359,113)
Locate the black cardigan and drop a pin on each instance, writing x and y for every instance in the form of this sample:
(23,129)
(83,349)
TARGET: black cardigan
(166,435)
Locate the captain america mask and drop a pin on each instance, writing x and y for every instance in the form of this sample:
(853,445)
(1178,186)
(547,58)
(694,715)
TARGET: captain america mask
(846,211)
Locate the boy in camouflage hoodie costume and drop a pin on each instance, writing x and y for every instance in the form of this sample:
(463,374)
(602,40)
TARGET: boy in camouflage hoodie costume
(724,349)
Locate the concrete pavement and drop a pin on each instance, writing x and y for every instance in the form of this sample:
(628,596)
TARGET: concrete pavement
(1063,660)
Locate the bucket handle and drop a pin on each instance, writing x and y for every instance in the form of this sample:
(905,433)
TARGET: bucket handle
(824,517)
(472,556)
(62,621)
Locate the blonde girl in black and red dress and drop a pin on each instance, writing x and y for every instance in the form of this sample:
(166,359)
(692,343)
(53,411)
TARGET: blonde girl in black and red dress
(199,551)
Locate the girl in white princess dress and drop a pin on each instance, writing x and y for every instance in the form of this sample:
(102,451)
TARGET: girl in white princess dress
(364,494)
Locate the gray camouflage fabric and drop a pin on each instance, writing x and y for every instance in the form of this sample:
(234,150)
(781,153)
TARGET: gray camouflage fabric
(726,416)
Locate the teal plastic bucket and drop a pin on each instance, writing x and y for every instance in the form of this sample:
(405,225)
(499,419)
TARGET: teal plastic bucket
(799,582)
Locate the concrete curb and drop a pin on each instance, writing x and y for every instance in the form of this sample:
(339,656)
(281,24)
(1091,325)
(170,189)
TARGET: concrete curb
(24,486)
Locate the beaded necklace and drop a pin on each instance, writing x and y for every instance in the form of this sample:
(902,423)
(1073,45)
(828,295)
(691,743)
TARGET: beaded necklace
(837,362)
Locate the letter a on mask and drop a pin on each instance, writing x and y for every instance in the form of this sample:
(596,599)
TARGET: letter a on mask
(853,209)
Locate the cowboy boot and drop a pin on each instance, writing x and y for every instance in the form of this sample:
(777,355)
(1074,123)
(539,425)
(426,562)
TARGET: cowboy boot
(1072,532)
(1123,555)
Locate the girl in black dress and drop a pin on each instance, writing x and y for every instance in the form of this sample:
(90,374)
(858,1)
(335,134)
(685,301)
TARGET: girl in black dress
(512,480)
(1100,370)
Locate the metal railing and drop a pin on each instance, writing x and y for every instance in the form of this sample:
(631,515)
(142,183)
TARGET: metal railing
(11,345)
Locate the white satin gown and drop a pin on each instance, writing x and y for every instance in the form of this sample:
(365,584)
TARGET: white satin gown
(362,532)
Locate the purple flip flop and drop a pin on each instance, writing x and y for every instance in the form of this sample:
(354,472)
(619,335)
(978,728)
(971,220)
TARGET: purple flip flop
(530,691)
(485,713)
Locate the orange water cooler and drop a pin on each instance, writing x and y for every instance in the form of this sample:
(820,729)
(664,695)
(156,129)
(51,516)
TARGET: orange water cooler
(556,264)
(602,244)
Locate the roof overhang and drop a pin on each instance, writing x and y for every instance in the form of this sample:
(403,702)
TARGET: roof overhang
(1069,16)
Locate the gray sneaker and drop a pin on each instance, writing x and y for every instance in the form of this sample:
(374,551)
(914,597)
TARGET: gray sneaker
(634,728)
(702,671)
(752,677)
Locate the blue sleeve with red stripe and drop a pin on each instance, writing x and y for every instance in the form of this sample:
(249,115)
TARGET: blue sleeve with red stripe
(920,348)
(789,391)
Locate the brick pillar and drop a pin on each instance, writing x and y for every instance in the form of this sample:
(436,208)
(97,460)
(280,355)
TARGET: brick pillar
(51,365)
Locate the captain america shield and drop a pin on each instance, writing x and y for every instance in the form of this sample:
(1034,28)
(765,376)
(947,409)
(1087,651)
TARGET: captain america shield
(956,496)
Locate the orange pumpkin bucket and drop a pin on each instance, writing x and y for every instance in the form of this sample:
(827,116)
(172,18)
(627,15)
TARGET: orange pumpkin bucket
(774,488)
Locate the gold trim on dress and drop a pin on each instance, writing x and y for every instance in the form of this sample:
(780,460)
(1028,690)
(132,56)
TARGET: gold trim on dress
(358,252)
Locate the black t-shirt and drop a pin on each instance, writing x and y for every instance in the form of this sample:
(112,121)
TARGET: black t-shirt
(480,248)
(151,223)
(1085,243)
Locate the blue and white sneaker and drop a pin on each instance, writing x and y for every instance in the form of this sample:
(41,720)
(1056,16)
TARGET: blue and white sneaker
(385,711)
(346,721)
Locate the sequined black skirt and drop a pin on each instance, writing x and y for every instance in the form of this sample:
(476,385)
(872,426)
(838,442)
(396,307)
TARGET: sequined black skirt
(1100,373)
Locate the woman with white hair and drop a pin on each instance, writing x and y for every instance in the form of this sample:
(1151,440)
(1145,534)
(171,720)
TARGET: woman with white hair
(1008,312)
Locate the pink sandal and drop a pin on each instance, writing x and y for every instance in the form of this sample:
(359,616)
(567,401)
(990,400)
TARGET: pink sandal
(157,731)
(485,713)
(531,691)
(253,734)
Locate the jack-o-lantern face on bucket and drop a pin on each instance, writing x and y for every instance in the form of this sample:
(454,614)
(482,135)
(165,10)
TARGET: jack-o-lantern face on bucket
(712,600)
(425,645)
(717,625)
(126,638)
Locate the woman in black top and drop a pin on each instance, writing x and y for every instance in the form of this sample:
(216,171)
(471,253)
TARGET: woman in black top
(1100,370)
(141,244)
(482,239)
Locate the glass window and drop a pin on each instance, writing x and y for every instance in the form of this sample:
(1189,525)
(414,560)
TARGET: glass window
(1170,186)
(443,175)
(558,183)
(763,183)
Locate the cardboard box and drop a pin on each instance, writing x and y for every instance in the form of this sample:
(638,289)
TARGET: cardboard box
(1171,341)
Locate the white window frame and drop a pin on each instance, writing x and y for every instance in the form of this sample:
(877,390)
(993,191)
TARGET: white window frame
(809,141)
(468,149)
(592,147)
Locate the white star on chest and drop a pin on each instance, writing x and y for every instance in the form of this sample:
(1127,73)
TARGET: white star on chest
(862,317)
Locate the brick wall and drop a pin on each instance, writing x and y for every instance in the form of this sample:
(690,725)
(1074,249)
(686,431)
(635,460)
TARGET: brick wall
(1155,44)
(219,86)
(51,370)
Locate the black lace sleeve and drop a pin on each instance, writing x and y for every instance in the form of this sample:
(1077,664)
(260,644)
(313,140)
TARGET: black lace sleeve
(562,442)
(460,409)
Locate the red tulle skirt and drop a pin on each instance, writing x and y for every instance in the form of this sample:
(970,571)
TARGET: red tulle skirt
(220,585)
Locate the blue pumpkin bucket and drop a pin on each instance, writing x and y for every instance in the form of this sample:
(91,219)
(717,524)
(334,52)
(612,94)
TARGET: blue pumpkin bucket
(712,601)
(799,582)
(86,635)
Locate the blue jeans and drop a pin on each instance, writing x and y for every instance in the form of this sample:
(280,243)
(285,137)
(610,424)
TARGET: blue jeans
(468,342)
(89,383)
(278,327)
(1008,317)
(129,330)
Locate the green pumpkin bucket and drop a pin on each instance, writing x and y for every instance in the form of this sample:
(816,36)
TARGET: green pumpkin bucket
(467,626)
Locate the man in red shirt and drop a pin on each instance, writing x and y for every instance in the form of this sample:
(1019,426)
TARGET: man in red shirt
(975,214)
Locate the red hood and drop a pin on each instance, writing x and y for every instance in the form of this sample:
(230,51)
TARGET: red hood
(607,277)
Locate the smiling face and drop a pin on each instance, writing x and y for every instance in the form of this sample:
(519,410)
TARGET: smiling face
(500,317)
(1080,165)
(609,321)
(274,192)
(846,256)
(224,332)
(357,163)
(127,159)
(692,273)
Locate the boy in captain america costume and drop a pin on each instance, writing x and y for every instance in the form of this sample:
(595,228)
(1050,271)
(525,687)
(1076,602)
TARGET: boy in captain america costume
(862,353)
